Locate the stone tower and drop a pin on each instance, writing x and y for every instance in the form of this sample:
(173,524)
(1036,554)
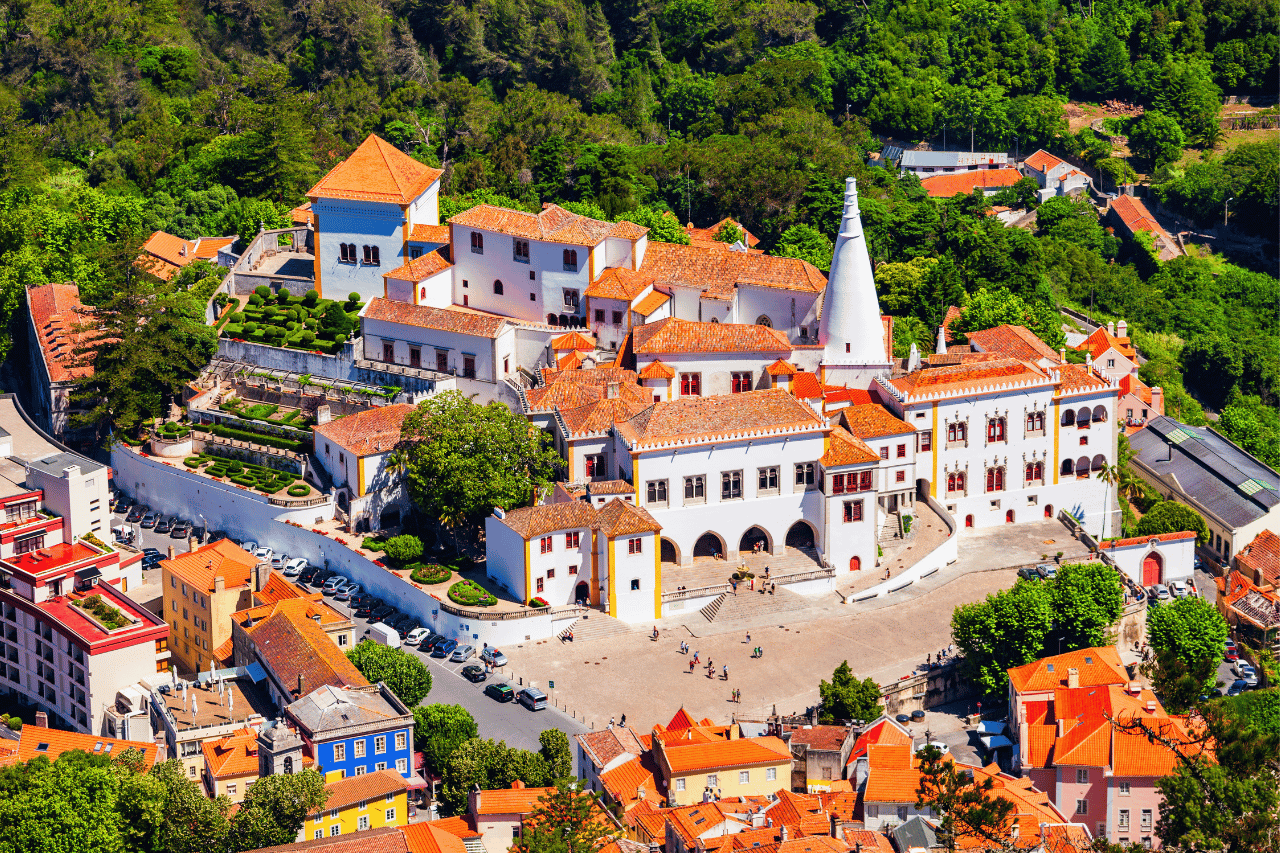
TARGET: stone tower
(279,750)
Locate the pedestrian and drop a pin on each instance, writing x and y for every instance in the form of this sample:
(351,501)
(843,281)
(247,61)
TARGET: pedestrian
(695,657)
(692,664)
(655,632)
(748,636)
(951,649)
(886,572)
(927,658)
(623,722)
(726,672)
(611,722)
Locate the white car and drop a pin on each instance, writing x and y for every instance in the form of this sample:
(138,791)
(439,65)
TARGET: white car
(1248,673)
(264,554)
(416,636)
(1178,589)
(278,560)
(249,546)
(294,567)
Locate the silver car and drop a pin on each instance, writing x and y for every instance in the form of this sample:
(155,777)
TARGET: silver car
(462,653)
(333,584)
(493,657)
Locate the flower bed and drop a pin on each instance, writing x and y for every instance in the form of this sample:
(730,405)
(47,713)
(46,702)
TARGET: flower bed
(539,602)
(429,574)
(471,594)
(109,616)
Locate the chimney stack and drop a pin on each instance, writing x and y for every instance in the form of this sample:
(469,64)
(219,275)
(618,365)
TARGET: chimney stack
(42,720)
(323,415)
(1073,678)
(219,582)
(782,833)
(171,552)
(1111,328)
(1151,706)
(301,680)
(1122,329)
(611,391)
(1062,727)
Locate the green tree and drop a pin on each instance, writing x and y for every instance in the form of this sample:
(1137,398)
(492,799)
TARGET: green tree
(663,227)
(1189,629)
(1177,682)
(336,321)
(1254,426)
(1006,630)
(404,674)
(68,805)
(489,764)
(190,822)
(847,698)
(1156,137)
(899,284)
(1088,600)
(466,459)
(1106,66)
(970,812)
(275,808)
(566,820)
(990,308)
(1173,517)
(729,233)
(440,729)
(403,549)
(806,243)
(556,753)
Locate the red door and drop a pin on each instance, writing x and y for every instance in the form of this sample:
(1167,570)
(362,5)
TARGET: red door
(855,563)
(1151,566)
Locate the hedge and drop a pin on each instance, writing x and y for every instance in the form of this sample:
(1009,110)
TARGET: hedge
(471,594)
(298,491)
(259,438)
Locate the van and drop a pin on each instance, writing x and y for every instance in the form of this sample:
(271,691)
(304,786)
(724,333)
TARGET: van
(532,698)
(384,635)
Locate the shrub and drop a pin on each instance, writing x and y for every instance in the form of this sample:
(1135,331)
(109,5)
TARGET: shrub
(15,723)
(294,445)
(430,573)
(353,298)
(307,337)
(299,491)
(235,468)
(270,312)
(339,338)
(291,326)
(263,291)
(282,295)
(237,317)
(471,594)
(310,298)
(192,461)
(538,602)
(250,328)
(255,300)
(311,323)
(403,549)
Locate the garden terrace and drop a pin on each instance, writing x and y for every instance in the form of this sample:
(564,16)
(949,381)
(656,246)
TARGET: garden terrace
(266,480)
(306,322)
(255,383)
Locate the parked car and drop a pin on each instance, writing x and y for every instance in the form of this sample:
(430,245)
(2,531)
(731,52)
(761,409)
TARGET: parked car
(406,623)
(380,613)
(1247,673)
(180,530)
(500,691)
(1159,592)
(474,673)
(136,513)
(1237,687)
(150,561)
(278,560)
(294,567)
(443,650)
(429,644)
(333,583)
(249,546)
(493,657)
(155,552)
(263,554)
(1178,589)
(217,536)
(347,591)
(122,503)
(1046,571)
(462,654)
(1028,573)
(317,578)
(416,636)
(367,607)
(1230,651)
(533,699)
(149,520)
(197,532)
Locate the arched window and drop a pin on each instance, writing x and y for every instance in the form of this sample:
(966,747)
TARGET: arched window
(564,320)
(288,765)
(1031,471)
(571,260)
(1083,416)
(1082,466)
(1067,466)
(956,431)
(1098,462)
(1100,414)
(995,429)
(497,287)
(951,482)
(995,479)
(763,320)
(960,481)
(551,319)
(1068,418)
(1035,421)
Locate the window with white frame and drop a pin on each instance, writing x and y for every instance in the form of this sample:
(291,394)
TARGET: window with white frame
(770,774)
(679,784)
(1082,806)
(744,776)
(767,480)
(402,738)
(806,476)
(713,780)
(380,744)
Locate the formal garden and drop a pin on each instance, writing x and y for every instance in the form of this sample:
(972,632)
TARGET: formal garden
(249,475)
(281,319)
(403,554)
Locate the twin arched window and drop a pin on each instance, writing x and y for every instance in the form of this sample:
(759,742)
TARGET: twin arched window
(995,479)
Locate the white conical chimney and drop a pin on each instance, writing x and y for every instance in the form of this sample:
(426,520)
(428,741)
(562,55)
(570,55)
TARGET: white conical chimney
(942,340)
(913,358)
(851,332)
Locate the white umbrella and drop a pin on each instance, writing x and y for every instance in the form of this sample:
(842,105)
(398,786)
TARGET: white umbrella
(195,704)
(231,701)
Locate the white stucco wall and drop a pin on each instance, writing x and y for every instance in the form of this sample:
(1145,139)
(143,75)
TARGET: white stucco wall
(716,368)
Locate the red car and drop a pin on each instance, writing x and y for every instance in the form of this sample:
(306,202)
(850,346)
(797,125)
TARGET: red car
(1230,651)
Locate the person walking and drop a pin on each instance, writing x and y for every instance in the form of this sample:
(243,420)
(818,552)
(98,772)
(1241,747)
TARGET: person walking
(748,636)
(692,664)
(726,672)
(695,657)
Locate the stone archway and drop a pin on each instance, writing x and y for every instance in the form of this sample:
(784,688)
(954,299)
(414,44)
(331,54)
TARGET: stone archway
(710,545)
(669,552)
(802,535)
(582,592)
(756,539)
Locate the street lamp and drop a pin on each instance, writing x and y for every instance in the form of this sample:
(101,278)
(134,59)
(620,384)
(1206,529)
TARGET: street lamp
(1224,211)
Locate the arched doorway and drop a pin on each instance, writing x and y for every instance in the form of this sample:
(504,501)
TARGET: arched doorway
(855,564)
(1008,517)
(1152,569)
(668,551)
(709,545)
(754,540)
(582,592)
(801,536)
(968,521)
(1048,510)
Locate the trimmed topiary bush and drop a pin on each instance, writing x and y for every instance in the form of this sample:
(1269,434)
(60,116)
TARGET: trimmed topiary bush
(310,298)
(471,594)
(298,491)
(538,602)
(307,337)
(236,317)
(263,291)
(353,297)
(255,300)
(192,461)
(282,295)
(403,549)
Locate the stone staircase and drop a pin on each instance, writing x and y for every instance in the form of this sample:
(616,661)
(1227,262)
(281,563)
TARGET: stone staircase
(713,607)
(751,607)
(596,625)
(890,529)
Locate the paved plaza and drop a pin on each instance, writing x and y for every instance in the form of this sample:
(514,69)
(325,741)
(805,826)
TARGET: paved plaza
(630,673)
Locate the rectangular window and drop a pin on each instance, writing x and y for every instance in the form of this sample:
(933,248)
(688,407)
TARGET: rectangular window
(360,744)
(852,511)
(656,492)
(469,366)
(1082,806)
(1123,822)
(690,384)
(730,485)
(319,833)
(902,451)
(231,790)
(388,351)
(402,764)
(380,744)
(415,253)
(595,465)
(371,256)
(361,769)
(695,489)
(381,765)
(599,315)
(573,539)
(442,361)
(805,474)
(864,482)
(770,774)
(900,477)
(335,829)
(884,452)
(679,784)
(363,822)
(713,779)
(995,429)
(617,318)
(415,357)
(545,545)
(744,776)
(768,480)
(1146,819)
(838,483)
(520,251)
(1124,789)
(1082,776)
(926,440)
(635,546)
(339,752)
(477,243)
(346,253)
(741,382)
(570,297)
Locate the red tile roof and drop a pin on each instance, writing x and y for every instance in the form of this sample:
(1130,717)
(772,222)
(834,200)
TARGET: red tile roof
(782,367)
(278,588)
(474,323)
(655,300)
(1043,161)
(618,283)
(376,171)
(717,272)
(372,431)
(294,645)
(1014,341)
(1262,557)
(1102,340)
(1077,378)
(1135,216)
(554,224)
(891,786)
(514,800)
(884,731)
(429,838)
(383,839)
(605,745)
(572,341)
(945,186)
(569,389)
(703,236)
(165,254)
(846,449)
(222,558)
(421,267)
(819,737)
(1112,544)
(1097,667)
(967,378)
(619,518)
(691,420)
(352,790)
(657,370)
(63,325)
(599,417)
(1065,838)
(805,386)
(35,741)
(422,233)
(874,421)
(673,335)
(626,781)
(1130,384)
(232,757)
(739,752)
(533,521)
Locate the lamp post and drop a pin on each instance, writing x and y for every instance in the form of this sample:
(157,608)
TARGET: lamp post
(1224,211)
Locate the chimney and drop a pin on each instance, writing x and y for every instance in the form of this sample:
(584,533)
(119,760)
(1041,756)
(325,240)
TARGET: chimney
(757,819)
(1073,678)
(1062,727)
(301,681)
(837,831)
(219,583)
(161,748)
(42,720)
(640,792)
(1062,354)
(517,785)
(1122,329)
(1157,401)
(782,833)
(1111,328)
(171,552)
(323,415)
(473,800)
(70,471)
(1135,688)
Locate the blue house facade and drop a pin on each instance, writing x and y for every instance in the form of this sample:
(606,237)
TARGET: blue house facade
(350,731)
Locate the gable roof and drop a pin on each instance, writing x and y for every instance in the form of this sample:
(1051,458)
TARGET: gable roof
(35,741)
(702,236)
(367,786)
(423,266)
(514,800)
(294,646)
(871,420)
(1097,667)
(968,377)
(1262,558)
(946,186)
(625,782)
(598,417)
(534,521)
(739,752)
(278,588)
(691,420)
(655,300)
(846,449)
(475,323)
(1135,216)
(619,283)
(1014,341)
(781,367)
(619,518)
(553,224)
(673,335)
(1102,340)
(375,430)
(717,271)
(423,233)
(383,839)
(1043,161)
(1130,384)
(233,756)
(882,731)
(62,326)
(429,838)
(165,254)
(376,171)
(605,745)
(657,369)
(568,389)
(572,341)
(223,558)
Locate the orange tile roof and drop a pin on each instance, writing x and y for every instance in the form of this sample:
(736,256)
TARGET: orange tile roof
(553,224)
(375,430)
(278,588)
(625,782)
(302,214)
(514,800)
(805,386)
(533,521)
(1130,384)
(872,420)
(35,741)
(422,233)
(620,518)
(293,644)
(1040,743)
(1097,667)
(891,756)
(463,826)
(232,757)
(63,325)
(820,737)
(1031,808)
(571,360)
(166,254)
(618,283)
(382,839)
(419,268)
(891,786)
(655,300)
(691,821)
(1135,216)
(657,370)
(1014,341)
(690,420)
(429,838)
(883,731)
(565,393)
(945,186)
(953,314)
(717,272)
(680,721)
(1077,378)
(782,367)
(1262,557)
(474,323)
(708,235)
(1112,544)
(352,790)
(966,378)
(1065,838)
(1102,340)
(572,341)
(222,558)
(673,335)
(376,171)
(725,754)
(1043,161)
(846,449)
(314,609)
(868,841)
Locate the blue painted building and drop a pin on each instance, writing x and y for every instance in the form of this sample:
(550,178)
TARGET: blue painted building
(371,213)
(350,731)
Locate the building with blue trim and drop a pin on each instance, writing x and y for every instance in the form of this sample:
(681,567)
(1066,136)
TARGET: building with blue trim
(350,731)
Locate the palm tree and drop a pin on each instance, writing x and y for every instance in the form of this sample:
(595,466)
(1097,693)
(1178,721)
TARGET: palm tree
(1109,474)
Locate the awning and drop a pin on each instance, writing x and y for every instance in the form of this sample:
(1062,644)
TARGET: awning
(995,741)
(416,782)
(89,573)
(991,727)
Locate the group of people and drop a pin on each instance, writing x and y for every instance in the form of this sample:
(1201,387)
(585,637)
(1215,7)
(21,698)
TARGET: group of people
(942,655)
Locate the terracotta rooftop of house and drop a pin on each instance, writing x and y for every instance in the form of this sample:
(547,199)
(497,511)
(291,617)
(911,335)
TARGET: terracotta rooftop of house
(891,786)
(164,254)
(706,236)
(619,283)
(1262,558)
(294,646)
(953,314)
(383,839)
(1096,667)
(423,266)
(534,521)
(422,233)
(571,395)
(655,300)
(1031,808)
(571,360)
(430,838)
(1014,341)
(968,377)
(694,420)
(376,171)
(553,224)
(605,745)
(62,325)
(278,588)
(1043,161)
(805,386)
(672,335)
(619,518)
(1135,216)
(1112,544)
(782,367)
(1065,838)
(691,821)
(313,609)
(517,799)
(717,272)
(365,433)
(846,449)
(1074,378)
(1262,608)
(657,369)
(475,323)
(739,752)
(572,341)
(368,786)
(871,420)
(35,741)
(301,215)
(945,186)
(883,730)
(626,782)
(1130,384)
(819,737)
(599,417)
(233,756)
(1102,340)
(223,559)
